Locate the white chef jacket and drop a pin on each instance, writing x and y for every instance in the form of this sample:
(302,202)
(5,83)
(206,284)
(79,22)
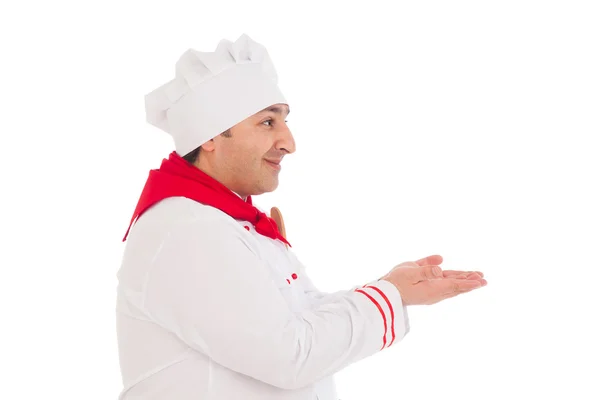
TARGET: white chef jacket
(207,308)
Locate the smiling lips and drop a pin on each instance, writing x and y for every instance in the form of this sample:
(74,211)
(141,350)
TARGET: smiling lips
(274,164)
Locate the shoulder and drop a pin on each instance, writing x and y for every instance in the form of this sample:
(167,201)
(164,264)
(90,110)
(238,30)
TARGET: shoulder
(177,210)
(176,218)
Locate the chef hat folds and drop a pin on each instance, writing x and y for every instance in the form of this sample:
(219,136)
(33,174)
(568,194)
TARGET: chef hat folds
(213,91)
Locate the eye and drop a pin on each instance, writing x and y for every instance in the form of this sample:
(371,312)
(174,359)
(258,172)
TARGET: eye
(270,120)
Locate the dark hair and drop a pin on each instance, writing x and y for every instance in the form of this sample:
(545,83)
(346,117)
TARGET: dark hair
(193,155)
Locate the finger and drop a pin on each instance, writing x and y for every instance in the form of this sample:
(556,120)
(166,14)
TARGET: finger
(419,274)
(455,274)
(463,274)
(456,286)
(474,275)
(454,293)
(431,260)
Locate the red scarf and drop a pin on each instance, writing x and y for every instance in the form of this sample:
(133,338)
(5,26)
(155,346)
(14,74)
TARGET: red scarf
(178,178)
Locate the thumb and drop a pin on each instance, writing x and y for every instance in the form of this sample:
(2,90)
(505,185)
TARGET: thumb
(431,260)
(418,274)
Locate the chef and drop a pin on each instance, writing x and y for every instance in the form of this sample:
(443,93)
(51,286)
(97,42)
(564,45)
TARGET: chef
(212,302)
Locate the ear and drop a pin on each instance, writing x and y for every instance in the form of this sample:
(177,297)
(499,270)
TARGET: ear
(209,146)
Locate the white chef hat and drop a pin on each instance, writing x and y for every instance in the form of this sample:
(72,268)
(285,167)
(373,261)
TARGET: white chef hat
(213,91)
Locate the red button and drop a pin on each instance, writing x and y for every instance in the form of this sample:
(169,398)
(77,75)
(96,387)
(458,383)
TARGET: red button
(247,228)
(294,276)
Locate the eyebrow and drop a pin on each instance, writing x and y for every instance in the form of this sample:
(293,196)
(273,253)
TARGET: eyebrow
(277,109)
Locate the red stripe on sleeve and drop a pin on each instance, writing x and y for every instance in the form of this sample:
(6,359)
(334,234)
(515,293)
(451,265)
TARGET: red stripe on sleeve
(391,310)
(382,315)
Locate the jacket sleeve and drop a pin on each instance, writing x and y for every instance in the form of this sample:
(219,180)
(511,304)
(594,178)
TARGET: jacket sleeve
(317,297)
(209,287)
(314,294)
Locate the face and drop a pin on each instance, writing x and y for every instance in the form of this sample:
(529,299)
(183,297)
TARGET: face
(248,162)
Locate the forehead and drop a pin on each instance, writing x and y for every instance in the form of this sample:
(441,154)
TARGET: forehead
(282,109)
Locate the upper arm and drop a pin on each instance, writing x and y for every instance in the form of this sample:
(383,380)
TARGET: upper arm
(209,287)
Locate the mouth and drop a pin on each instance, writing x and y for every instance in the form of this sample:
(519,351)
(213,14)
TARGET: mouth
(274,165)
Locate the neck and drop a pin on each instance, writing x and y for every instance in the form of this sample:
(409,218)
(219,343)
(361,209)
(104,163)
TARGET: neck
(210,173)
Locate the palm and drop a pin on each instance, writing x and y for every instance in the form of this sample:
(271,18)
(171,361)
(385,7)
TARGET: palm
(422,284)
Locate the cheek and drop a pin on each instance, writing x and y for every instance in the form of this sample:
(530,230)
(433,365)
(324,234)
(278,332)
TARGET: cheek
(248,160)
(245,156)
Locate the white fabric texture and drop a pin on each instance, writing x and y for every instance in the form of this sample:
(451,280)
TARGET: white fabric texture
(213,91)
(207,308)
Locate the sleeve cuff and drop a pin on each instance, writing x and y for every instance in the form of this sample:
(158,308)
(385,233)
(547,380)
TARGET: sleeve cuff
(386,297)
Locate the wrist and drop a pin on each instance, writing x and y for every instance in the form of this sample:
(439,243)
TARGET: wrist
(385,278)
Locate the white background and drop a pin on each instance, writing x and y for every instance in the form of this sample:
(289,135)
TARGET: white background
(462,128)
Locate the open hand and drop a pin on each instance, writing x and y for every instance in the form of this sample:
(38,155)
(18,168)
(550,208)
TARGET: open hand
(424,282)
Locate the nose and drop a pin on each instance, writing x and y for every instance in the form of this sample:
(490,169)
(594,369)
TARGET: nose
(285,140)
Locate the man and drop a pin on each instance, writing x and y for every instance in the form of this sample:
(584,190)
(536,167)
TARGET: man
(212,302)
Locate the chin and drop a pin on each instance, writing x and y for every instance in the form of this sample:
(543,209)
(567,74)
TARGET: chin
(270,187)
(263,189)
